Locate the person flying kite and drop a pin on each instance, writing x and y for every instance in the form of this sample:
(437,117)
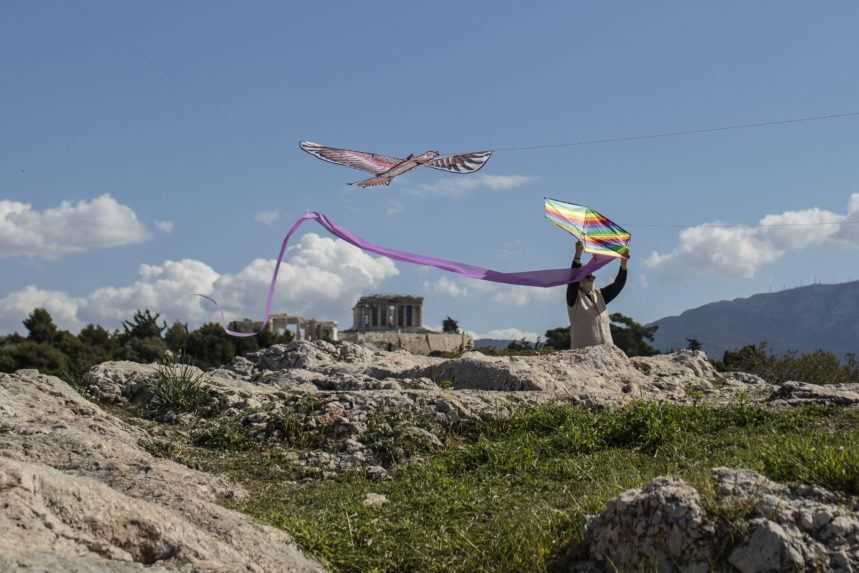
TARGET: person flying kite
(385,168)
(586,305)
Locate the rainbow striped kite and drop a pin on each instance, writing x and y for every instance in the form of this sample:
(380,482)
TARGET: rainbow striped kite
(599,234)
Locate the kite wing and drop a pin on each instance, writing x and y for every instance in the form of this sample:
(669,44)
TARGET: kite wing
(461,163)
(599,234)
(371,162)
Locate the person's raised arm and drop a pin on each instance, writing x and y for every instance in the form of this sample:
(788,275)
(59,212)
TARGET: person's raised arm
(610,292)
(573,288)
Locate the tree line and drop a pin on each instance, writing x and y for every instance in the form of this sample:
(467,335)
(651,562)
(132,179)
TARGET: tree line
(146,338)
(143,338)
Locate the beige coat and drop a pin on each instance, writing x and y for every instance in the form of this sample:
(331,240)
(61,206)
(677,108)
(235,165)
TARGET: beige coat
(589,320)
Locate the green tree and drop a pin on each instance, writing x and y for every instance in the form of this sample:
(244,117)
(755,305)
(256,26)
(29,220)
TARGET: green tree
(693,344)
(95,335)
(754,359)
(450,325)
(558,338)
(143,350)
(266,338)
(143,325)
(176,336)
(7,360)
(81,356)
(818,367)
(39,355)
(210,346)
(40,325)
(631,337)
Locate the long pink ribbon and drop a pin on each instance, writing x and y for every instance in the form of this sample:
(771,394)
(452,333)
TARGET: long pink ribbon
(540,278)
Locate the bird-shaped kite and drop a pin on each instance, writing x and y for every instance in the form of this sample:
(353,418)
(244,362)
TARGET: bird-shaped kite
(385,168)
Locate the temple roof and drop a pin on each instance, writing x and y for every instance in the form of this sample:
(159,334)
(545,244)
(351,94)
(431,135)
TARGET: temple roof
(389,298)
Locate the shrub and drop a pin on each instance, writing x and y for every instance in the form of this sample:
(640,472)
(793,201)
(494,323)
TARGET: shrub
(227,435)
(180,388)
(210,346)
(143,350)
(817,367)
(28,354)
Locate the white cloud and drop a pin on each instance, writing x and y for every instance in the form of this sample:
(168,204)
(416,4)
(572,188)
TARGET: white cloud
(739,251)
(165,226)
(506,334)
(642,281)
(447,287)
(15,307)
(267,217)
(394,208)
(460,185)
(73,227)
(322,279)
(499,293)
(511,248)
(849,233)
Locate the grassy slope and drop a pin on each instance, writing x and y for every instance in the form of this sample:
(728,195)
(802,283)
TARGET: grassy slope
(512,495)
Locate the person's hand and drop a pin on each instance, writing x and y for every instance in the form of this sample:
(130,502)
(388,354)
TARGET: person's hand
(580,248)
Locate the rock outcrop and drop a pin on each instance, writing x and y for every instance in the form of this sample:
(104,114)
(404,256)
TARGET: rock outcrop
(360,405)
(664,526)
(350,407)
(799,393)
(79,493)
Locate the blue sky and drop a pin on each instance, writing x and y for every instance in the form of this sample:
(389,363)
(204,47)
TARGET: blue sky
(142,144)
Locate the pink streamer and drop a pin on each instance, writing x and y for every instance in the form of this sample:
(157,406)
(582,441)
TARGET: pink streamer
(540,278)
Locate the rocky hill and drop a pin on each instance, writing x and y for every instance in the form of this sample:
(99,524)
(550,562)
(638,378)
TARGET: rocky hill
(803,319)
(82,490)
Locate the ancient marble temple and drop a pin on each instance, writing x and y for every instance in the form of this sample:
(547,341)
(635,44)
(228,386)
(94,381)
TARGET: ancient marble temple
(382,312)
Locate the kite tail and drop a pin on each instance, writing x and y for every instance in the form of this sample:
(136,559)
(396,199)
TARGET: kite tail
(540,278)
(270,295)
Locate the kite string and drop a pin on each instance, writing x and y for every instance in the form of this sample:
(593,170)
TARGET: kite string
(736,225)
(682,132)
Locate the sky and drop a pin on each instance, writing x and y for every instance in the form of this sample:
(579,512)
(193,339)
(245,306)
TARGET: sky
(148,151)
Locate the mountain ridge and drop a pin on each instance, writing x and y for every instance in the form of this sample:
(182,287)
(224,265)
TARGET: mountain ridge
(805,319)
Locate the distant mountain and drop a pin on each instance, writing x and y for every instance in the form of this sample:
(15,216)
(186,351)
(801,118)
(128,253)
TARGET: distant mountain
(491,343)
(803,319)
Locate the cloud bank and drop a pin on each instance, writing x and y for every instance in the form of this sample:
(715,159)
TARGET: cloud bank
(740,251)
(322,279)
(71,228)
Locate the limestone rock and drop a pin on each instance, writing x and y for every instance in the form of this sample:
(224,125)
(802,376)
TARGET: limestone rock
(798,393)
(374,500)
(661,525)
(296,354)
(798,526)
(80,494)
(770,548)
(664,527)
(598,375)
(744,378)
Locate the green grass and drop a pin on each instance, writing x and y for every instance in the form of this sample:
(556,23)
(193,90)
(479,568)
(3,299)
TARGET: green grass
(512,495)
(179,388)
